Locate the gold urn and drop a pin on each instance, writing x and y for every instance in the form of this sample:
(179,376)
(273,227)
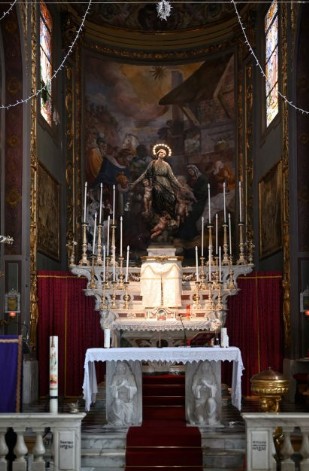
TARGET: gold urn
(270,386)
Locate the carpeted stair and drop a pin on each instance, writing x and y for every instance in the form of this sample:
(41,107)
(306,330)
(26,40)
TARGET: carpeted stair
(164,440)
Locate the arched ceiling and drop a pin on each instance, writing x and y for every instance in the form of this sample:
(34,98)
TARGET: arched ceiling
(128,26)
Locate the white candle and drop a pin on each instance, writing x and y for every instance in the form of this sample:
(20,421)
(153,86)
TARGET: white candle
(85,203)
(230,234)
(196,263)
(53,366)
(114,200)
(104,262)
(101,204)
(127,265)
(120,251)
(107,338)
(107,235)
(240,202)
(217,234)
(202,238)
(94,232)
(224,204)
(219,264)
(209,213)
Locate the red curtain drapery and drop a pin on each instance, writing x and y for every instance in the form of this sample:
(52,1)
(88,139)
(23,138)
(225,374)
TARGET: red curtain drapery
(65,311)
(255,324)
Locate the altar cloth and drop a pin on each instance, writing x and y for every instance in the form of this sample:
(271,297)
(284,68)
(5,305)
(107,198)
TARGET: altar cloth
(168,355)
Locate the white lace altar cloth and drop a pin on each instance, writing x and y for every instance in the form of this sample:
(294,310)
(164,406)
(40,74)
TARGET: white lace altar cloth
(168,355)
(149,325)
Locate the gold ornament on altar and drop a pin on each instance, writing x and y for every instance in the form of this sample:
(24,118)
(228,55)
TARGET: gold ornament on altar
(270,386)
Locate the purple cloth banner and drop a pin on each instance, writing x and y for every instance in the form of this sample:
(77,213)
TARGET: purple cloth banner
(10,372)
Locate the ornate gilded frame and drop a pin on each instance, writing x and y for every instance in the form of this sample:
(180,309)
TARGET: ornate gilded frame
(270,211)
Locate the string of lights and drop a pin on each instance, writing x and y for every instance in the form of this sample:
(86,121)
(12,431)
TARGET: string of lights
(163,10)
(54,75)
(8,10)
(289,102)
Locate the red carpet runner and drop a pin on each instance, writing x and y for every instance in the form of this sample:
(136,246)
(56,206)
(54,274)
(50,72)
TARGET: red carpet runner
(164,440)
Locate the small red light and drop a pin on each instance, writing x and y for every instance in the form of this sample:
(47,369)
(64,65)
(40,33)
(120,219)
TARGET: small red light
(12,314)
(306,313)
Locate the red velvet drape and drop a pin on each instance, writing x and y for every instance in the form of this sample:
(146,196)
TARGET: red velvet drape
(64,310)
(255,323)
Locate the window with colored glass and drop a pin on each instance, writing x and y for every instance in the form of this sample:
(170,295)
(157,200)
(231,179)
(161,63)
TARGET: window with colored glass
(271,62)
(46,28)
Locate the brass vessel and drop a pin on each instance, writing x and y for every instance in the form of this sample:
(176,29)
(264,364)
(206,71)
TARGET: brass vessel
(270,386)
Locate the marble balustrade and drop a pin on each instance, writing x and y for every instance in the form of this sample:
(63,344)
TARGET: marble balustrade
(65,436)
(277,441)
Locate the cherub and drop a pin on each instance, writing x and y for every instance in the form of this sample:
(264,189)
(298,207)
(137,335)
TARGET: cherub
(161,225)
(185,197)
(147,195)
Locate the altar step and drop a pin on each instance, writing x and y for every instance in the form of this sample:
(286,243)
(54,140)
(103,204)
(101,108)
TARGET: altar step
(163,397)
(104,448)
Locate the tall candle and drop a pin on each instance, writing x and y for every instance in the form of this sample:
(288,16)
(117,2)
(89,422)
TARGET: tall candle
(53,366)
(94,232)
(120,250)
(196,263)
(104,262)
(230,234)
(240,202)
(217,234)
(202,238)
(114,200)
(107,235)
(127,265)
(85,203)
(219,263)
(209,213)
(107,338)
(101,203)
(224,204)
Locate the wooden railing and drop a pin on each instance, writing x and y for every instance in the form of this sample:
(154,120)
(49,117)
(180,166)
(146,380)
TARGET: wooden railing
(277,441)
(38,438)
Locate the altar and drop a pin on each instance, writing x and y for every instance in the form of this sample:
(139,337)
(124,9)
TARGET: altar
(124,381)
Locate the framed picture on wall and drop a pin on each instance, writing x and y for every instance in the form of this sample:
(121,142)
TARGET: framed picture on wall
(48,214)
(270,211)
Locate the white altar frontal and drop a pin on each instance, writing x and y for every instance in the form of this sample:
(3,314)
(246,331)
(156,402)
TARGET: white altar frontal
(124,381)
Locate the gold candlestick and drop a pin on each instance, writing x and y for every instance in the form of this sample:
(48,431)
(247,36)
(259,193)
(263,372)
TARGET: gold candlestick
(99,249)
(196,295)
(84,260)
(113,304)
(225,258)
(126,297)
(92,283)
(241,260)
(121,275)
(103,304)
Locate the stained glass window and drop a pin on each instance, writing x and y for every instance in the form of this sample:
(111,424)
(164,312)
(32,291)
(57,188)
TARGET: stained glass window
(271,62)
(46,28)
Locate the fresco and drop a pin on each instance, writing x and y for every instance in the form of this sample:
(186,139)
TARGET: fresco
(127,110)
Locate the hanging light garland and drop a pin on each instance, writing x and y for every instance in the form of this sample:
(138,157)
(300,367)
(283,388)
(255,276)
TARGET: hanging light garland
(38,91)
(8,10)
(163,10)
(287,101)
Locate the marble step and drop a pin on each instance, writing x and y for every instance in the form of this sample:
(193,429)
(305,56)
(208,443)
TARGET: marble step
(218,459)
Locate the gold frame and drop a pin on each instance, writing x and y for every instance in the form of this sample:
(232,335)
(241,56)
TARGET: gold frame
(48,214)
(270,211)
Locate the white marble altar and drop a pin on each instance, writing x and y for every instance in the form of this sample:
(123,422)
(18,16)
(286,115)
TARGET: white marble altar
(193,358)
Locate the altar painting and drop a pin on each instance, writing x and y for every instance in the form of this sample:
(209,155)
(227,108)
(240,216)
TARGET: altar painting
(130,108)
